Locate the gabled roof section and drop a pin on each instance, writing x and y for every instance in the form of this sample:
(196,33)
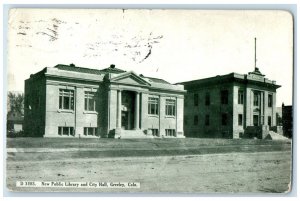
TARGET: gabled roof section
(153,79)
(129,78)
(74,68)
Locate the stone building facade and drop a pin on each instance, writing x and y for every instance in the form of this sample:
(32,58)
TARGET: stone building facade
(226,106)
(70,101)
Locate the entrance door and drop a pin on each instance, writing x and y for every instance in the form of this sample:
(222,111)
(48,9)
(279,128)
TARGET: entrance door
(125,120)
(255,120)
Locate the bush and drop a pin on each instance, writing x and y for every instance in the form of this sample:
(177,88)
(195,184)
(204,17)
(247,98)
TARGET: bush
(13,134)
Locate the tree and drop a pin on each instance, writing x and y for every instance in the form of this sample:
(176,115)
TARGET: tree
(15,103)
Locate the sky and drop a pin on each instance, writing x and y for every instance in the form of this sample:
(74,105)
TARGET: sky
(175,45)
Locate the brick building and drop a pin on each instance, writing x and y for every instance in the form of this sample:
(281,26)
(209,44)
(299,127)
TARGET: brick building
(225,106)
(287,120)
(70,101)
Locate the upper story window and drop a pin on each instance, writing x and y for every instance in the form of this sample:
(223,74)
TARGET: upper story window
(256,99)
(66,99)
(241,97)
(196,99)
(153,105)
(224,96)
(170,107)
(89,101)
(270,100)
(207,98)
(224,119)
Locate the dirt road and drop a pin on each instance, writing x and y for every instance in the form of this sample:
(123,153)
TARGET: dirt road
(230,172)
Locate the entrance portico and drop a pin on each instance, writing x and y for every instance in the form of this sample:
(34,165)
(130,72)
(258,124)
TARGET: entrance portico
(128,113)
(129,88)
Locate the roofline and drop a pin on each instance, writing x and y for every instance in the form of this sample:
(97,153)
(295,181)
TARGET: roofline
(234,76)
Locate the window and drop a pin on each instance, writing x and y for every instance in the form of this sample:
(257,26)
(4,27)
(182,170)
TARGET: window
(241,97)
(153,105)
(224,96)
(196,99)
(269,121)
(66,99)
(207,99)
(170,107)
(62,130)
(224,119)
(207,120)
(270,100)
(154,131)
(196,120)
(89,101)
(255,120)
(240,119)
(256,99)
(170,132)
(90,131)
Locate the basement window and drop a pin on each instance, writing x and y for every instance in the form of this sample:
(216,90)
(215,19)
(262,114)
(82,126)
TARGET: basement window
(66,131)
(170,132)
(90,131)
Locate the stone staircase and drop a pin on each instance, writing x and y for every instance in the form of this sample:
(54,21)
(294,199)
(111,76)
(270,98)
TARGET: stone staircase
(128,134)
(275,136)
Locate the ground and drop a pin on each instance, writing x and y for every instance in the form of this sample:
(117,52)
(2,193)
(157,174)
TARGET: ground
(159,165)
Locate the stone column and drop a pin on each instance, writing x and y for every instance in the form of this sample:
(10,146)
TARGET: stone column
(137,111)
(119,112)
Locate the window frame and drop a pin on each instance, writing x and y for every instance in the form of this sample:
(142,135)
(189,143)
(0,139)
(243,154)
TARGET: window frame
(224,96)
(66,94)
(70,131)
(224,119)
(196,99)
(90,96)
(270,100)
(256,99)
(207,98)
(240,119)
(240,97)
(170,107)
(256,123)
(153,102)
(86,131)
(170,132)
(269,121)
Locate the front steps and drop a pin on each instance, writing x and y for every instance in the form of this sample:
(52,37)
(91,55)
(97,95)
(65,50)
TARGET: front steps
(129,134)
(275,136)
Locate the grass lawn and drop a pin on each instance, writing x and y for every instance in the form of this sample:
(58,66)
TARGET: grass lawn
(148,144)
(61,148)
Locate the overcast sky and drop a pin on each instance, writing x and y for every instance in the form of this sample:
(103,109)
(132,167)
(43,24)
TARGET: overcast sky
(175,45)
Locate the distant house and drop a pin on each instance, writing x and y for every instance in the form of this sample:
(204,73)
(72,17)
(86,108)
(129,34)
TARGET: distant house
(15,122)
(71,101)
(226,106)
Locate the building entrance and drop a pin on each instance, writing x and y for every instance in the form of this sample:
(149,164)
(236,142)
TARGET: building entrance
(128,101)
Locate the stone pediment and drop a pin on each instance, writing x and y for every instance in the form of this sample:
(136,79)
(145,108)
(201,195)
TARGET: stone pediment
(129,78)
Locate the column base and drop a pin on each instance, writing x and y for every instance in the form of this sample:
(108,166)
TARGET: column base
(118,132)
